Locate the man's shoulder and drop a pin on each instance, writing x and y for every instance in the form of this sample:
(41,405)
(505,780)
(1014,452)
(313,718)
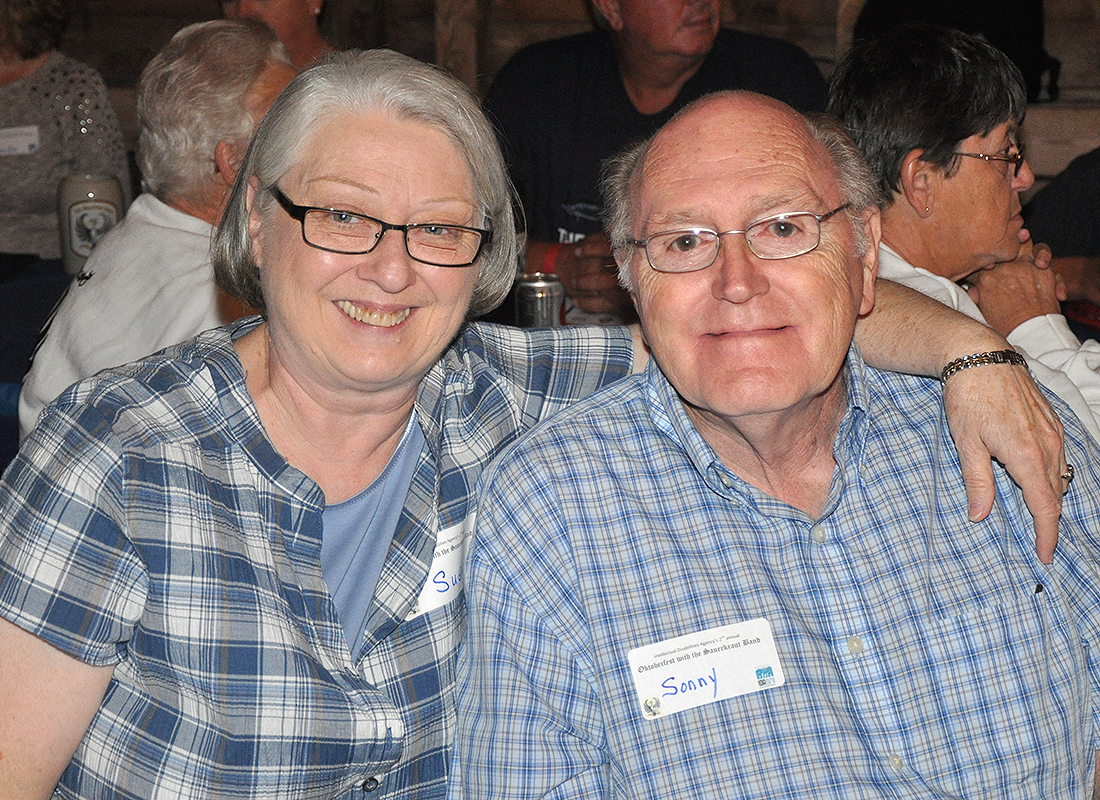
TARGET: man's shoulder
(152,217)
(574,457)
(152,233)
(175,393)
(507,348)
(551,64)
(563,51)
(614,414)
(145,279)
(749,46)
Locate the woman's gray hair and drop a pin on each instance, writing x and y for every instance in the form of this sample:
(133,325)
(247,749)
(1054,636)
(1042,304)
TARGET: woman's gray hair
(622,172)
(362,82)
(192,95)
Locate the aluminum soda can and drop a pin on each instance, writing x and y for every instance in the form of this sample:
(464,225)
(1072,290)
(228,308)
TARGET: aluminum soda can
(539,300)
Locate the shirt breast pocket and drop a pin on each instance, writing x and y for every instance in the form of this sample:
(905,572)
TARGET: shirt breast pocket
(1005,683)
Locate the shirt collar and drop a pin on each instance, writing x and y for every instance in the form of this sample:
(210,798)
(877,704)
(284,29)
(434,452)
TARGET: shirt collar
(241,419)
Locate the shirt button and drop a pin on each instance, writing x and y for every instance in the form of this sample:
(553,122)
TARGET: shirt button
(818,534)
(369,785)
(855,645)
(895,761)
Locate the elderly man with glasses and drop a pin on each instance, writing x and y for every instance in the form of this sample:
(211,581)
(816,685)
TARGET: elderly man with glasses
(749,572)
(937,114)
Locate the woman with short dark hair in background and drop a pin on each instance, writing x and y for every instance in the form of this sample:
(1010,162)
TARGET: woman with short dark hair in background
(55,120)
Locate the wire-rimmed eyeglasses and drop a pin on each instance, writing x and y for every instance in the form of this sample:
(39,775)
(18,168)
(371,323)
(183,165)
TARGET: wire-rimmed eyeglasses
(351,233)
(779,236)
(1016,159)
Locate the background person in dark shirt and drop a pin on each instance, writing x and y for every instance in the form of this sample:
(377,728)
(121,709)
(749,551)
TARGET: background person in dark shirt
(564,106)
(1066,215)
(1015,27)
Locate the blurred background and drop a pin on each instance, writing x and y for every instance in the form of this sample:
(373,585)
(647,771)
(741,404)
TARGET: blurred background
(473,38)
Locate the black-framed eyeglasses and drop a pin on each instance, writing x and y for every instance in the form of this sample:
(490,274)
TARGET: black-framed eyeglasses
(779,236)
(351,233)
(1016,159)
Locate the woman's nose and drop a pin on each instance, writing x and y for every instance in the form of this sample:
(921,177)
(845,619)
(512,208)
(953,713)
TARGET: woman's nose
(389,264)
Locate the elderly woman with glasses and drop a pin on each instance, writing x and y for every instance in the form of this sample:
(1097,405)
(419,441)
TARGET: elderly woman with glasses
(937,114)
(234,569)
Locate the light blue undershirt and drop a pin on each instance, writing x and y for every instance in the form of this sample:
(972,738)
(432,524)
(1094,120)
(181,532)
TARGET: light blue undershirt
(358,532)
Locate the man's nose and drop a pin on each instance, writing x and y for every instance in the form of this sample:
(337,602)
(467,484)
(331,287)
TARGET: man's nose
(738,273)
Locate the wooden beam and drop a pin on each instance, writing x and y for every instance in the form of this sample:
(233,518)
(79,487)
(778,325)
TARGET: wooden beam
(847,12)
(459,34)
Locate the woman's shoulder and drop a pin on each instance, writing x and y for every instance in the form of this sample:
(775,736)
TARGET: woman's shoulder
(61,66)
(508,349)
(490,368)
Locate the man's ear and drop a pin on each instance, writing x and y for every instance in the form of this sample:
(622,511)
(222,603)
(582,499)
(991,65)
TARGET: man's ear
(919,179)
(609,9)
(872,228)
(226,162)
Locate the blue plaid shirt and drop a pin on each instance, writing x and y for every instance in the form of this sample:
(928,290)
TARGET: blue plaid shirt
(921,658)
(149,524)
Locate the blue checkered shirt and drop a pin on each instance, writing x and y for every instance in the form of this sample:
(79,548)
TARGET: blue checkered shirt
(921,658)
(149,524)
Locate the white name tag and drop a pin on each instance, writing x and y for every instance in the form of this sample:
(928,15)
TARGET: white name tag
(18,141)
(445,575)
(705,667)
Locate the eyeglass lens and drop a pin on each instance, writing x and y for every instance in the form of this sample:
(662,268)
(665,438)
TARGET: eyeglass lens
(1016,160)
(778,237)
(343,232)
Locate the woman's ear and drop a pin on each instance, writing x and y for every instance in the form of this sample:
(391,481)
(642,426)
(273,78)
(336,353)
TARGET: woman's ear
(919,179)
(254,225)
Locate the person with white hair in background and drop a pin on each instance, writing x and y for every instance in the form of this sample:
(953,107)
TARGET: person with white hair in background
(149,283)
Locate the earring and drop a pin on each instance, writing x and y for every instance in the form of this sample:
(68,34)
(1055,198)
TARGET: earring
(927,210)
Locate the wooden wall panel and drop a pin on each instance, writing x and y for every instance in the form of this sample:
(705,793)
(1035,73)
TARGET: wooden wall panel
(118,37)
(475,37)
